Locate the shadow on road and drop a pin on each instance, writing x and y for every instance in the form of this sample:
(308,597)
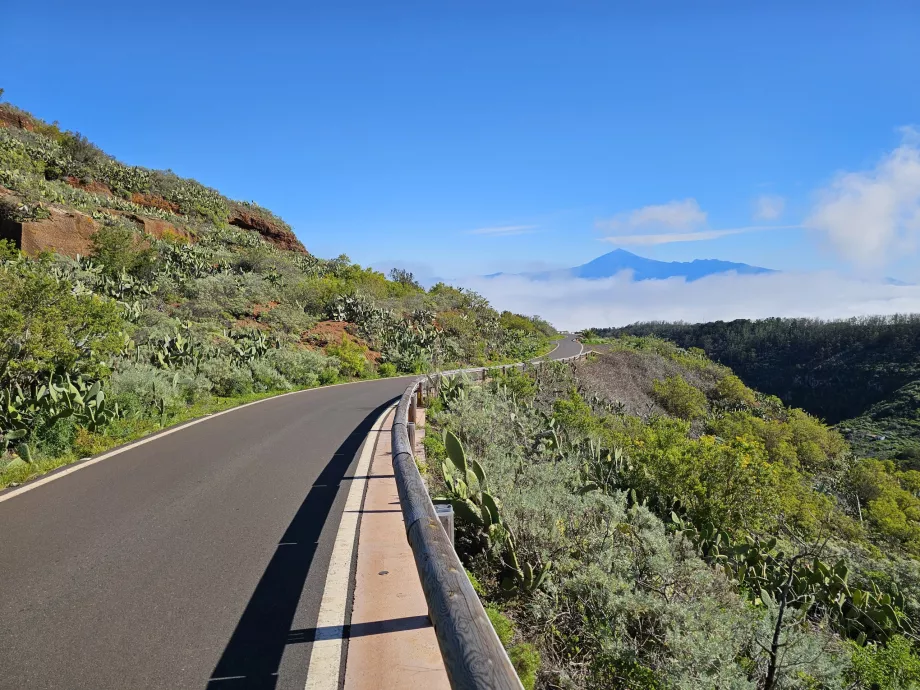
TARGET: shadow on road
(253,654)
(360,629)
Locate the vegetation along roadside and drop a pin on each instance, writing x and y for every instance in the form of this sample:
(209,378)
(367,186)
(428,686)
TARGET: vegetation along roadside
(646,520)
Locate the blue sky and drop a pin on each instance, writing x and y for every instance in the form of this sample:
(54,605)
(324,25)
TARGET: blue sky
(390,131)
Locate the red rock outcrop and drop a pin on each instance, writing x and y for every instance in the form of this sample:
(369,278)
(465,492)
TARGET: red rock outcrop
(9,118)
(275,233)
(67,233)
(93,186)
(157,227)
(154,201)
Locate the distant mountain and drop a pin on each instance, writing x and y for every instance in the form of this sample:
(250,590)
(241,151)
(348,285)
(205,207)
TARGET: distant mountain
(620,260)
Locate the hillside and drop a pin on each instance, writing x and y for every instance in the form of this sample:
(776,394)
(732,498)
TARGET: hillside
(131,299)
(890,428)
(834,369)
(647,521)
(853,369)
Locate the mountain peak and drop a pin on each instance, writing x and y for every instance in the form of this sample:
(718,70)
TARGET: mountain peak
(619,260)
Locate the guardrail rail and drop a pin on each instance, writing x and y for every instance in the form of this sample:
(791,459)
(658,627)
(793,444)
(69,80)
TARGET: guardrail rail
(473,655)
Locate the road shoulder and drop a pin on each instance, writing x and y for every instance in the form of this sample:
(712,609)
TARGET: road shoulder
(391,643)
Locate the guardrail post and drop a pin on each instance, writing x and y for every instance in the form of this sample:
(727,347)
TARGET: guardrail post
(410,427)
(418,396)
(412,408)
(445,513)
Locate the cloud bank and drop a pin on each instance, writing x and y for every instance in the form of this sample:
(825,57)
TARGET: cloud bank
(573,304)
(873,216)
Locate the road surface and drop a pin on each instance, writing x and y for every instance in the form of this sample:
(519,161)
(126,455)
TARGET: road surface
(196,560)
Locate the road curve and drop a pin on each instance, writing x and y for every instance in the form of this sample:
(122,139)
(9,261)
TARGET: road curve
(196,560)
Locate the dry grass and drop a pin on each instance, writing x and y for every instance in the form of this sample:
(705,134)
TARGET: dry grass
(627,376)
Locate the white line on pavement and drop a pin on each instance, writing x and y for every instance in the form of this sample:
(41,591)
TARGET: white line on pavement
(326,655)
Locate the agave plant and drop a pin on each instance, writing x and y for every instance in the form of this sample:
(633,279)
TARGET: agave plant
(466,480)
(23,410)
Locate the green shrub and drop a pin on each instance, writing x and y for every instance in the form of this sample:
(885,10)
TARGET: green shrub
(515,381)
(434,448)
(526,661)
(524,656)
(301,367)
(894,666)
(351,356)
(228,379)
(504,628)
(386,369)
(139,388)
(45,327)
(795,439)
(731,390)
(890,499)
(119,248)
(679,398)
(266,378)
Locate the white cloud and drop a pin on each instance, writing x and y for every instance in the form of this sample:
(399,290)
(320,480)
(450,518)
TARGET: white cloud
(669,237)
(576,303)
(873,216)
(504,230)
(675,221)
(678,216)
(769,207)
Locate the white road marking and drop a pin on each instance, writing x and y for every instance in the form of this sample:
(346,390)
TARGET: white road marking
(326,655)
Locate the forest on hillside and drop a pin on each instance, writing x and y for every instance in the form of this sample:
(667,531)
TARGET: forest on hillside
(185,302)
(861,373)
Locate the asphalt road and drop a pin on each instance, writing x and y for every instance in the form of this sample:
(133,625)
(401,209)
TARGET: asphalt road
(194,561)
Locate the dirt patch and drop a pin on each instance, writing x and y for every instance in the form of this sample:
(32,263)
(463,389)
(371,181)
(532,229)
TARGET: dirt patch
(628,377)
(93,186)
(259,309)
(243,324)
(154,201)
(327,333)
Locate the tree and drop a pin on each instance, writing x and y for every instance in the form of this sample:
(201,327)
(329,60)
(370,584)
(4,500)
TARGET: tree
(405,278)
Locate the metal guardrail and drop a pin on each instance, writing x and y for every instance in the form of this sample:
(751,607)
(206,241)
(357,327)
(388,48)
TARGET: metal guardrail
(473,655)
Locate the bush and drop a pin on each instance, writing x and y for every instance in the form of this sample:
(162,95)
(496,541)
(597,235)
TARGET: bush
(526,661)
(680,399)
(304,368)
(45,327)
(386,369)
(87,443)
(894,666)
(350,354)
(516,381)
(140,388)
(228,379)
(504,628)
(266,378)
(890,501)
(731,390)
(120,248)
